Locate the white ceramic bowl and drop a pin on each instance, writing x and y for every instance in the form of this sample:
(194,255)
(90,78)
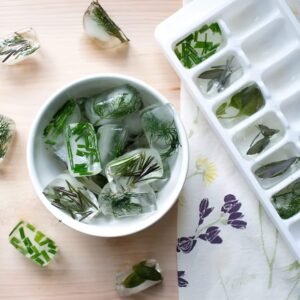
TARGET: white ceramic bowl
(43,166)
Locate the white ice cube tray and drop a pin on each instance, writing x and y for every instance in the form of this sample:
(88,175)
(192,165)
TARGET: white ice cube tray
(264,35)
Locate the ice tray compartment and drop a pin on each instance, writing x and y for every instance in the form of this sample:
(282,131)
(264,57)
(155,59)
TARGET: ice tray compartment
(250,94)
(221,74)
(286,152)
(284,76)
(243,16)
(287,201)
(261,49)
(245,137)
(291,110)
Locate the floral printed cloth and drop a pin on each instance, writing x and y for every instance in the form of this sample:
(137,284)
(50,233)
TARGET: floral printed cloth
(227,248)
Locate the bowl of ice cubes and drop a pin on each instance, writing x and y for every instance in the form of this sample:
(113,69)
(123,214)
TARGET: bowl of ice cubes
(107,155)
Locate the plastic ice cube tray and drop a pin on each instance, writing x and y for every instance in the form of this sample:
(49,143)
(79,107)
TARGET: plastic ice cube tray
(264,37)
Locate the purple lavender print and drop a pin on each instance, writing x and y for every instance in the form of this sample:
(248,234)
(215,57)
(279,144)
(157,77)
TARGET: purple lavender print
(204,210)
(212,235)
(181,281)
(186,244)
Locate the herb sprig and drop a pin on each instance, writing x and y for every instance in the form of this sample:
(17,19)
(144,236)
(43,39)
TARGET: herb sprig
(246,102)
(98,14)
(198,46)
(5,135)
(276,168)
(258,146)
(16,46)
(72,200)
(220,75)
(162,132)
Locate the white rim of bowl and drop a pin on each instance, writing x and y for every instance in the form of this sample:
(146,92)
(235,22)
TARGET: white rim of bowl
(86,228)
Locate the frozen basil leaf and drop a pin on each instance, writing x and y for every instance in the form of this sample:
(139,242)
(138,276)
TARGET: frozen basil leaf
(133,280)
(211,74)
(259,146)
(147,272)
(276,168)
(221,110)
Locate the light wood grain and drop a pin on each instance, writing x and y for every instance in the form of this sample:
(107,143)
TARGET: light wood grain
(86,265)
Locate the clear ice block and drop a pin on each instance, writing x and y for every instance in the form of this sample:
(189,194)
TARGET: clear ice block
(18,46)
(54,132)
(135,168)
(70,195)
(113,104)
(32,243)
(111,142)
(123,203)
(83,152)
(160,129)
(199,45)
(142,276)
(7,130)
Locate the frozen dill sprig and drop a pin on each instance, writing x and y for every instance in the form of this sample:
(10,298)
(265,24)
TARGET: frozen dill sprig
(99,25)
(6,133)
(18,46)
(162,132)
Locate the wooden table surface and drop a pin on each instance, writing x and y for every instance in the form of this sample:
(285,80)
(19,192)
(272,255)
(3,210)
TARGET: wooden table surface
(86,265)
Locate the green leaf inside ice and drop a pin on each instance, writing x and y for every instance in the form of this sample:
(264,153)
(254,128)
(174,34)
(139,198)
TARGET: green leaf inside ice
(246,102)
(276,168)
(147,272)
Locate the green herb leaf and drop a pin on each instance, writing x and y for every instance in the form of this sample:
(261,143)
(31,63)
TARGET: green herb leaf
(276,168)
(146,272)
(246,102)
(133,280)
(211,74)
(266,131)
(259,146)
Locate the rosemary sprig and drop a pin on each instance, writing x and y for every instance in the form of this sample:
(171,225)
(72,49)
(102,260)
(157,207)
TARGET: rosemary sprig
(246,102)
(220,75)
(199,45)
(136,167)
(72,200)
(16,46)
(162,132)
(276,168)
(99,15)
(258,146)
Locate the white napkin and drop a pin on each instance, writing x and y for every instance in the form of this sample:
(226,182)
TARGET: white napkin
(235,253)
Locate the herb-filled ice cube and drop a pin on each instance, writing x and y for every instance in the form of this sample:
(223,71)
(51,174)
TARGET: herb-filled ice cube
(32,243)
(220,76)
(73,197)
(99,26)
(113,104)
(18,46)
(287,201)
(128,203)
(160,129)
(7,130)
(111,141)
(142,276)
(82,147)
(199,45)
(138,167)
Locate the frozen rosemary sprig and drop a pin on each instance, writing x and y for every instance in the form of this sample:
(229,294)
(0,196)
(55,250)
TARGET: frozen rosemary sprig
(276,168)
(161,131)
(18,46)
(100,26)
(266,133)
(74,200)
(199,45)
(220,76)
